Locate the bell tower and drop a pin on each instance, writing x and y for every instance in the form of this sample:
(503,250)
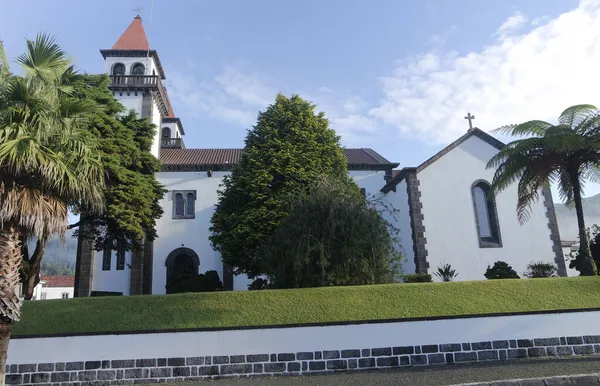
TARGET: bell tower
(137,77)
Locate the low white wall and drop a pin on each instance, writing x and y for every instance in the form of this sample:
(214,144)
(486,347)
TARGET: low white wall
(278,340)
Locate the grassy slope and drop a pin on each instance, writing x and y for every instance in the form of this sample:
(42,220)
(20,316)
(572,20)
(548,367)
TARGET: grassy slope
(252,308)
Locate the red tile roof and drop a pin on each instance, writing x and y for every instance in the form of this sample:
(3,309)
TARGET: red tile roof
(169,156)
(134,37)
(59,281)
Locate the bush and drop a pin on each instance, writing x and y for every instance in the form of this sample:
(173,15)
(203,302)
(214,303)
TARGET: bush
(540,269)
(207,282)
(259,284)
(445,272)
(501,270)
(332,236)
(417,278)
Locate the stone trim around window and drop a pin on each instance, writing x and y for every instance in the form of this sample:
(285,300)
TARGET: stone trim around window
(184,193)
(496,240)
(104,371)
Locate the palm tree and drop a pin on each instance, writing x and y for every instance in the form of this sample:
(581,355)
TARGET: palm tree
(567,154)
(47,161)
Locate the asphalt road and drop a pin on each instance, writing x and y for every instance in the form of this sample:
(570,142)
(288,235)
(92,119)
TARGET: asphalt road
(427,376)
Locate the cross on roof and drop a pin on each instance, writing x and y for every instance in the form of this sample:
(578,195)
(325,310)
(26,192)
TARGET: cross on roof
(138,10)
(470,118)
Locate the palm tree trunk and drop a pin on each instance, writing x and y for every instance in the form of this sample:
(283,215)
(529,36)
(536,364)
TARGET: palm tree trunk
(10,306)
(588,266)
(31,272)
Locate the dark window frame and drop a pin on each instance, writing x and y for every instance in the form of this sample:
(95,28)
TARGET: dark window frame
(184,194)
(134,66)
(114,66)
(495,240)
(166,130)
(120,257)
(107,255)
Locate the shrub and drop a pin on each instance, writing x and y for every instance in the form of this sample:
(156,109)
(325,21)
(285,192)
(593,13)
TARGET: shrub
(417,278)
(445,272)
(501,270)
(540,269)
(206,282)
(259,284)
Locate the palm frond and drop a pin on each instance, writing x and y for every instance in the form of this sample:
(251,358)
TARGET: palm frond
(536,128)
(574,115)
(44,58)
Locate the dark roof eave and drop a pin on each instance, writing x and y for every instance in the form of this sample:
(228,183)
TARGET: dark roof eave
(174,120)
(229,167)
(136,53)
(397,179)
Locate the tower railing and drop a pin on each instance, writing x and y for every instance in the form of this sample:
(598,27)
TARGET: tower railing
(172,143)
(124,82)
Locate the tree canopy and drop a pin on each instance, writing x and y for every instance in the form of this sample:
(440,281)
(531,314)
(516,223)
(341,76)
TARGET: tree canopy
(132,193)
(289,147)
(331,236)
(567,154)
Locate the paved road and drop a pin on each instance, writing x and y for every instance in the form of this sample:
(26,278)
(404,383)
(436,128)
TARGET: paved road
(430,376)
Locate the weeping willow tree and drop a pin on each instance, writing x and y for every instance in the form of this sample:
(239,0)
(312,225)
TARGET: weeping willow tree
(333,236)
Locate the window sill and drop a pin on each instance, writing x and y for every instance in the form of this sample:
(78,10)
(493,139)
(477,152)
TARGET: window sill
(184,217)
(489,244)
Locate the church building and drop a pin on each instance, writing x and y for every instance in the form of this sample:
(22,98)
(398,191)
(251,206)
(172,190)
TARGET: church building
(444,214)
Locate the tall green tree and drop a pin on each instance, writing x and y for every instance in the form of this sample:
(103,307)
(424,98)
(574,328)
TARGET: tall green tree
(289,147)
(332,236)
(131,192)
(47,162)
(567,154)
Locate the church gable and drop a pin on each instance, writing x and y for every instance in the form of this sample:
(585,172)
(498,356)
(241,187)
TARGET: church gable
(400,175)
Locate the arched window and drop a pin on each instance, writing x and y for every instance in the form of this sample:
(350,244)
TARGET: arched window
(179,205)
(118,69)
(184,204)
(107,249)
(166,132)
(189,205)
(486,215)
(138,69)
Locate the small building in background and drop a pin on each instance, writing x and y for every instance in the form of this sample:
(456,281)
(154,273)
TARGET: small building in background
(54,287)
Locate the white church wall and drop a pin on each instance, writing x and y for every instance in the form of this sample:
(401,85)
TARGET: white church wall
(130,102)
(449,219)
(113,280)
(189,233)
(157,120)
(399,200)
(373,181)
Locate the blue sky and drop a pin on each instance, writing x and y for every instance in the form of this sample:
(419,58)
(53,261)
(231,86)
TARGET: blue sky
(396,76)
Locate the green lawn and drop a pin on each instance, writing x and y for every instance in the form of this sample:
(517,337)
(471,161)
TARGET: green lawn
(315,305)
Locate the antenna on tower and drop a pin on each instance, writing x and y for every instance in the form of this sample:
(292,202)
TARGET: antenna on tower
(150,29)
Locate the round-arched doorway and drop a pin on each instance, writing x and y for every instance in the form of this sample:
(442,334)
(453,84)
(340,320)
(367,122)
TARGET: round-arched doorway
(181,263)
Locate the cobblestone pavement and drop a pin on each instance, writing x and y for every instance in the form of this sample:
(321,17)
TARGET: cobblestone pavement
(580,371)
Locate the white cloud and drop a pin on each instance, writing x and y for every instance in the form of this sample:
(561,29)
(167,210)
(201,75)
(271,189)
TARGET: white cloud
(512,24)
(232,96)
(532,75)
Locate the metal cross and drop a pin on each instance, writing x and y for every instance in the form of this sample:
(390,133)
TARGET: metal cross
(470,118)
(138,10)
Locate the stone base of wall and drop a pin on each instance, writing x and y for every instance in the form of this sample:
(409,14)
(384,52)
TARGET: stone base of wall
(150,370)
